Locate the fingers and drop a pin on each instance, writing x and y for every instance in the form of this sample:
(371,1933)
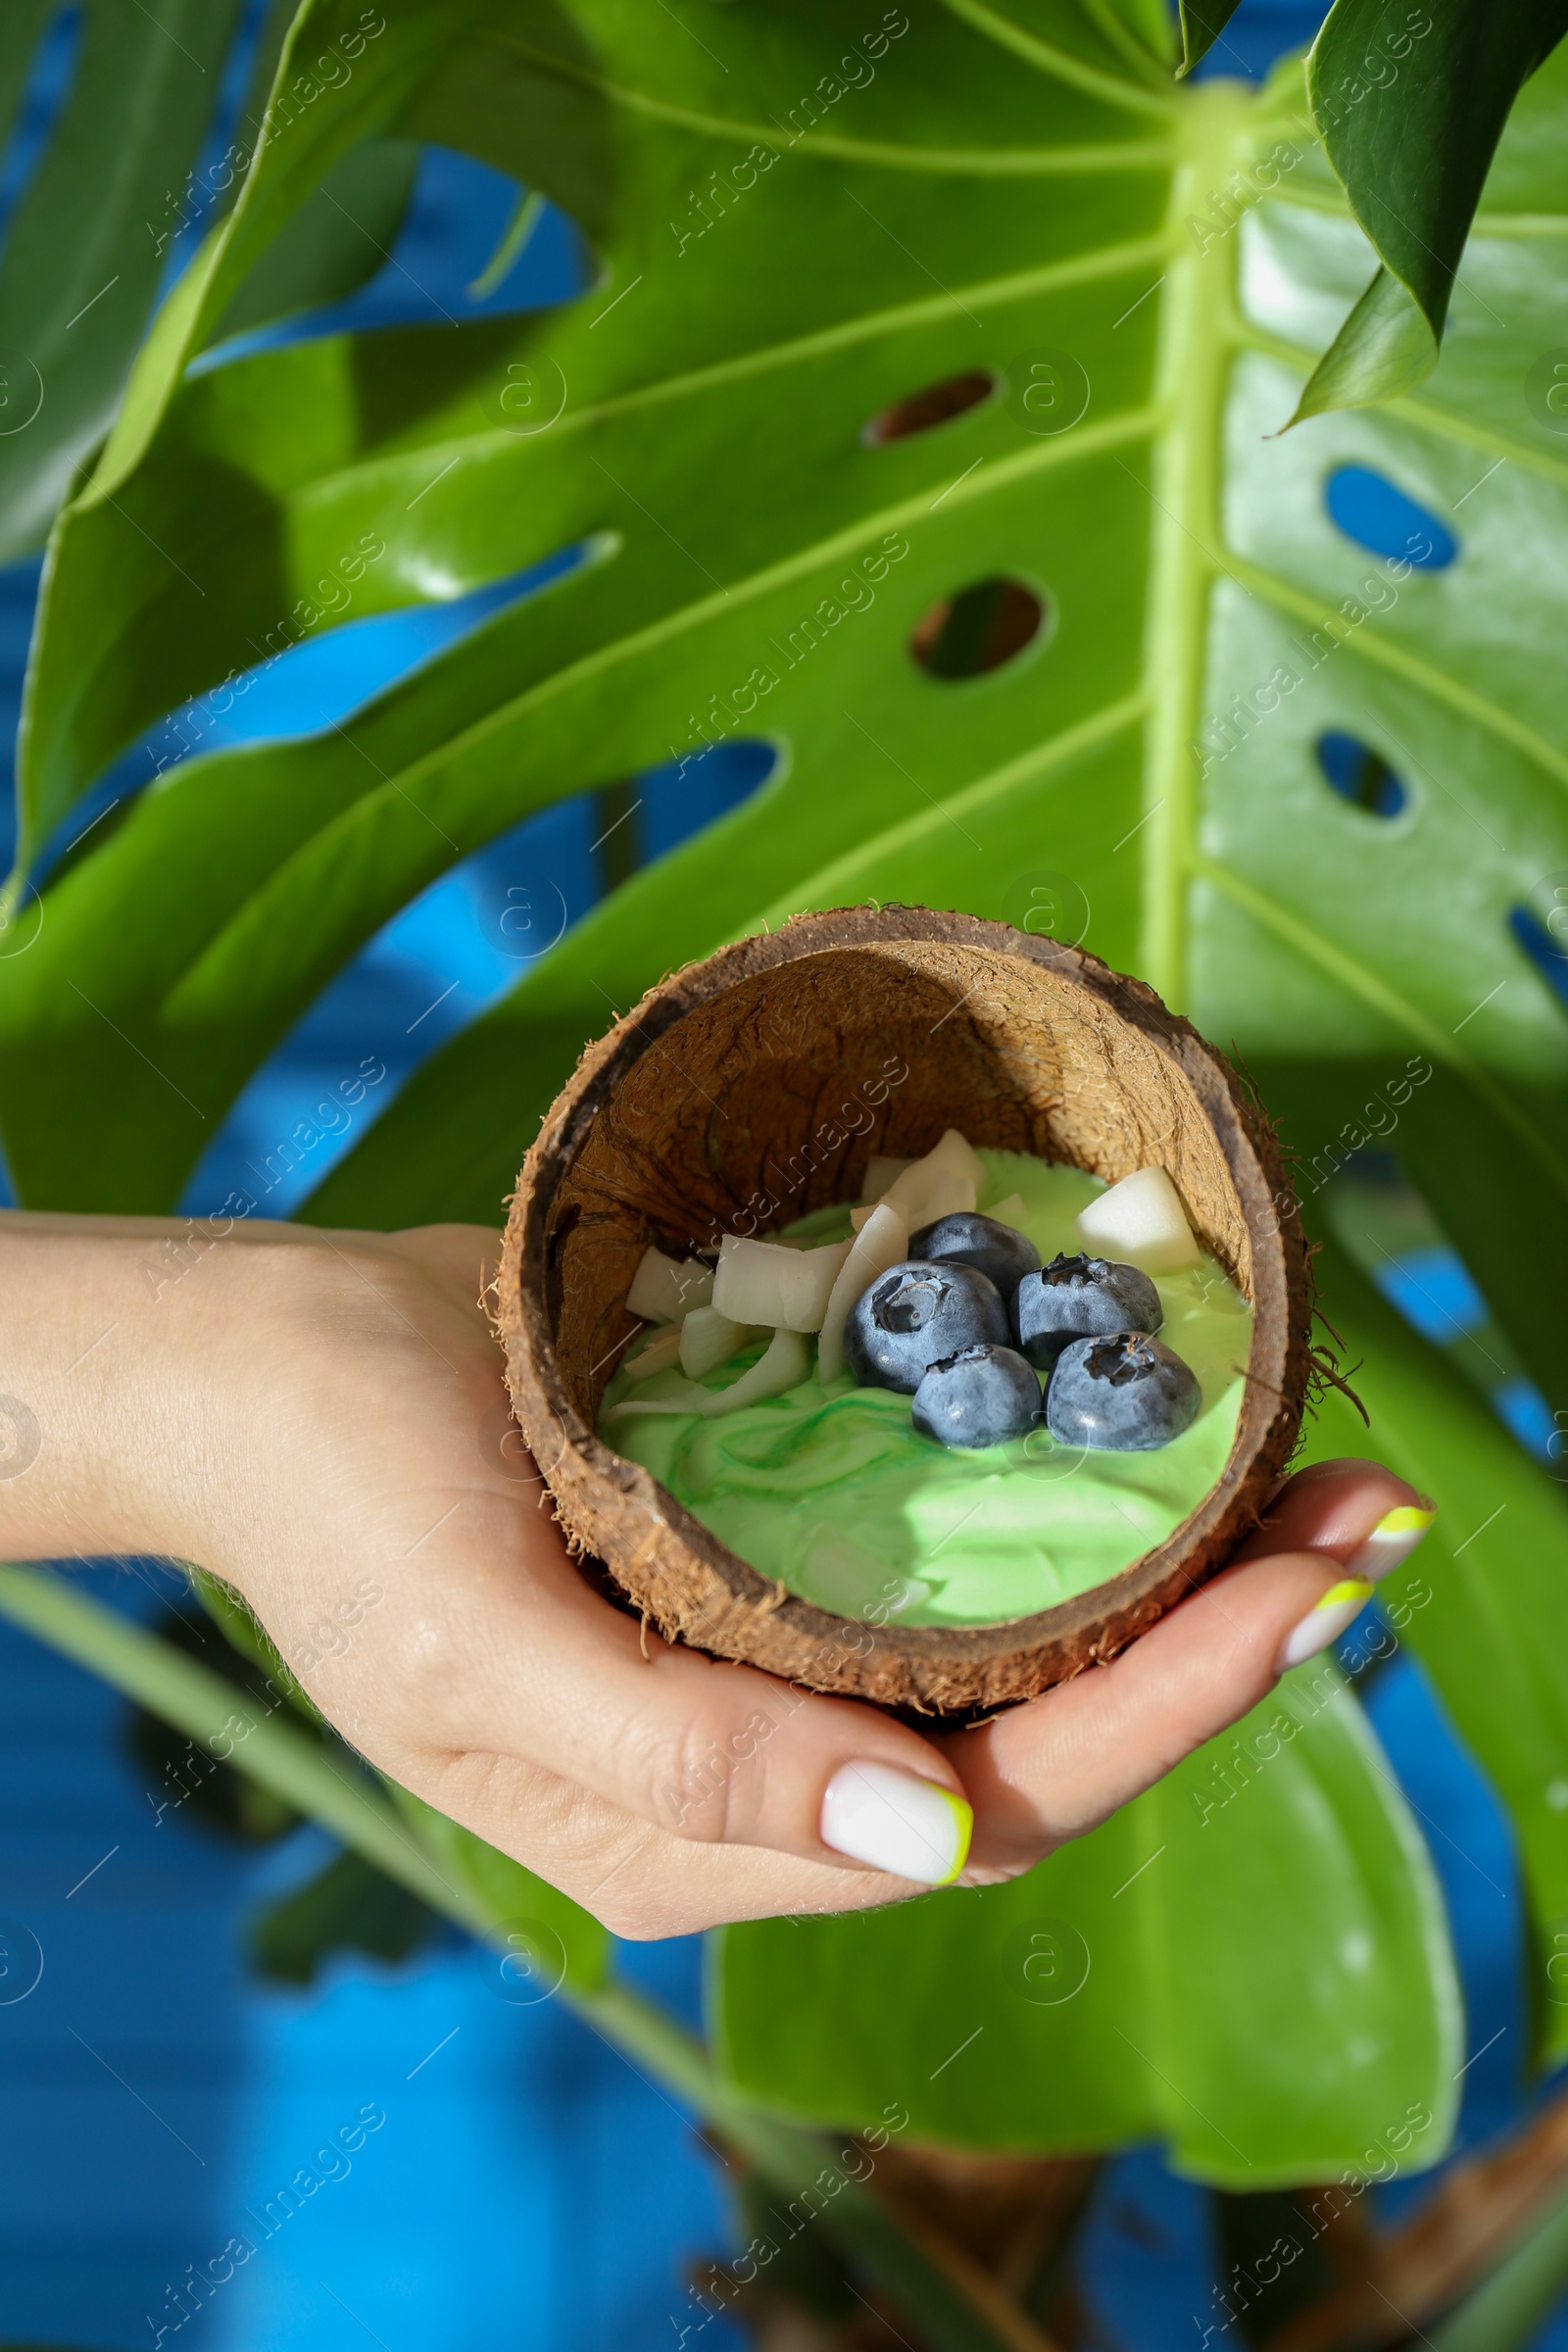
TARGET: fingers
(525,1659)
(1058,1766)
(490,1640)
(640,1882)
(1359,1512)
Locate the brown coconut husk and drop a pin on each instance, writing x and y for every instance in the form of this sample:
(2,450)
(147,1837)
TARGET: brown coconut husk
(752,1088)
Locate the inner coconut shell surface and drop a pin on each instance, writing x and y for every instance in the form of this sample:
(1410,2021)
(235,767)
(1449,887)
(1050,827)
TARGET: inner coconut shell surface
(751,1089)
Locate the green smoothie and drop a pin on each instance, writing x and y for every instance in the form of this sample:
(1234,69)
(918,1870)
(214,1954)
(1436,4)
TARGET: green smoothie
(831,1489)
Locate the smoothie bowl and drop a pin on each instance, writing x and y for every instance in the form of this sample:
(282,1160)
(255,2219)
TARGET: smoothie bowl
(905,1305)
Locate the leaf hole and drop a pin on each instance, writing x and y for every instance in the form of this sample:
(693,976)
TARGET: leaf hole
(937,403)
(1359,774)
(979,629)
(1386,520)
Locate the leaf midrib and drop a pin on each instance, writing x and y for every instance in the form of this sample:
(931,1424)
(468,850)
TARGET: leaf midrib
(1191,383)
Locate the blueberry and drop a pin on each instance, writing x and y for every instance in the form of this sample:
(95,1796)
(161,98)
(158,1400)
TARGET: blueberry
(1127,1394)
(1003,1256)
(1081,1299)
(980,1397)
(914,1316)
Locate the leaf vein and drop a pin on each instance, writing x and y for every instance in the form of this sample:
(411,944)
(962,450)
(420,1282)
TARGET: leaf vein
(1355,976)
(1059,63)
(950,808)
(981,162)
(1406,665)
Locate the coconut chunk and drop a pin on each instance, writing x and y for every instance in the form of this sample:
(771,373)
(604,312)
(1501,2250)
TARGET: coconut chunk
(767,1283)
(664,1289)
(922,1193)
(880,1173)
(961,1157)
(882,1241)
(1140,1221)
(944,1182)
(784,1365)
(660,1353)
(1010,1211)
(708,1339)
(943,1195)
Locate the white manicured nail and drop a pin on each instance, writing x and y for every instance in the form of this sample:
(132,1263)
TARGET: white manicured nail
(1391,1543)
(894,1820)
(1340,1608)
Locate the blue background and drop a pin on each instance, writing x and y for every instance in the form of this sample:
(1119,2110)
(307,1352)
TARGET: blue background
(527,2185)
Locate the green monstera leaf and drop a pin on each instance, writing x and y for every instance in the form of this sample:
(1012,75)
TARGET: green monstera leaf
(924,419)
(1225,1966)
(84,247)
(142,150)
(1479,1604)
(1411,103)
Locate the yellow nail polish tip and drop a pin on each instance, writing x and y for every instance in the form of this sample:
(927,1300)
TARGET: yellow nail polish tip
(964,1822)
(1407,1520)
(1353,1588)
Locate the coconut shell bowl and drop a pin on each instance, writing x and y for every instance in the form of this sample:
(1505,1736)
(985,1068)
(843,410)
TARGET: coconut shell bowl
(752,1088)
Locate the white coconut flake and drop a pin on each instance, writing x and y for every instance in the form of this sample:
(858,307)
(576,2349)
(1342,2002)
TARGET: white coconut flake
(770,1284)
(783,1365)
(708,1339)
(950,1177)
(660,1353)
(1142,1222)
(882,1241)
(880,1173)
(946,1182)
(664,1289)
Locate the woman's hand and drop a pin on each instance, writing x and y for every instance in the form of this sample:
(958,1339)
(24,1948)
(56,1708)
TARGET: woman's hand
(323,1422)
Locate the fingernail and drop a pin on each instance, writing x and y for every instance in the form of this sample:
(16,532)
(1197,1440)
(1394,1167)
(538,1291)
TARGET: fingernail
(1339,1606)
(1391,1542)
(894,1820)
